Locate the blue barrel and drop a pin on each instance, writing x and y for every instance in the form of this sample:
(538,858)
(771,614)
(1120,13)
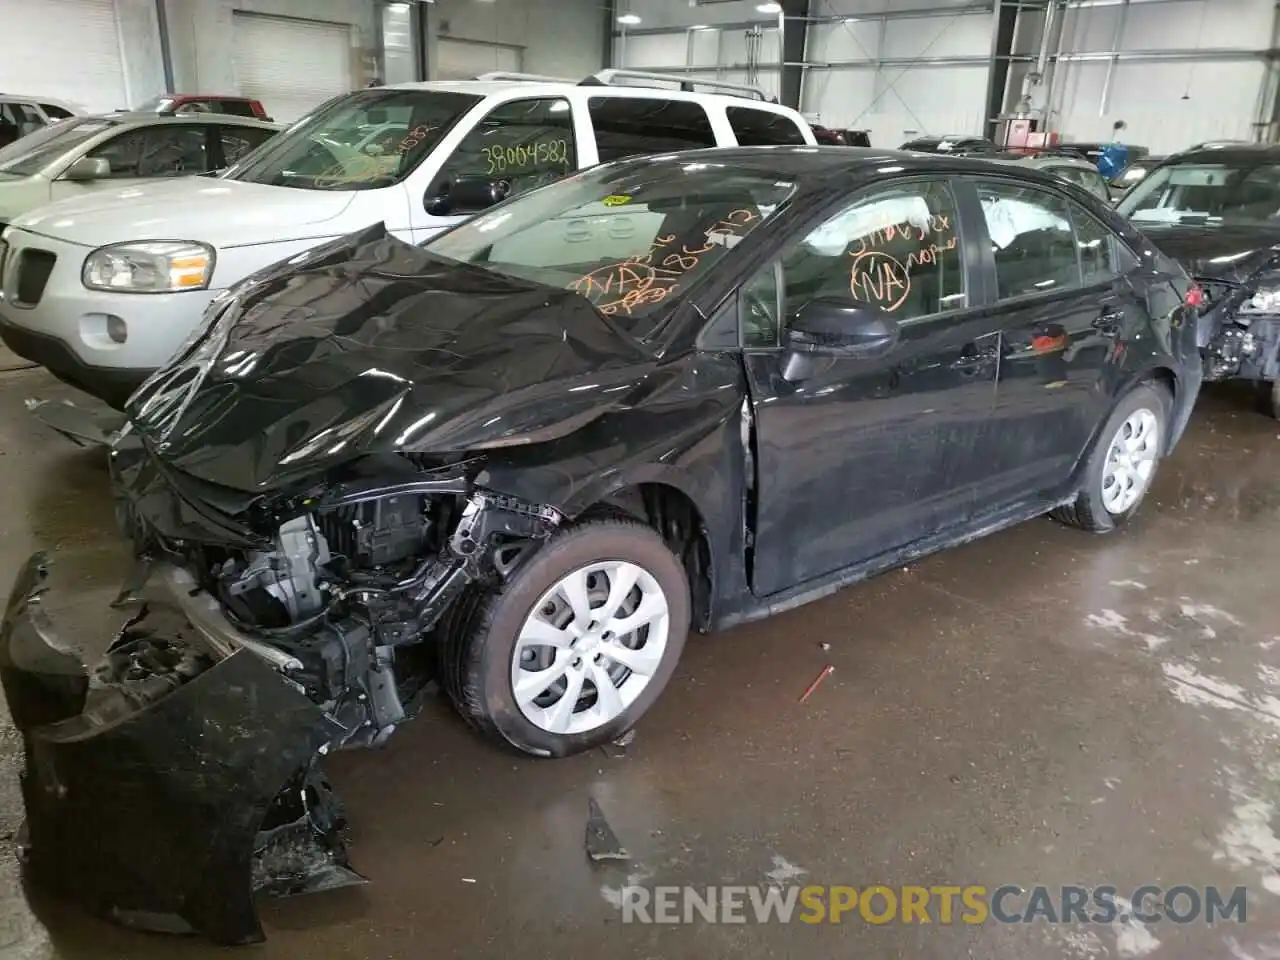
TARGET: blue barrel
(1113,160)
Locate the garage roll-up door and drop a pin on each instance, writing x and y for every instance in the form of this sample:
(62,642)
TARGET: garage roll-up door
(291,65)
(464,59)
(68,49)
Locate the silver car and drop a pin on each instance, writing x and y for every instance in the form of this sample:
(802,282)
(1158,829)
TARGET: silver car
(1080,172)
(83,154)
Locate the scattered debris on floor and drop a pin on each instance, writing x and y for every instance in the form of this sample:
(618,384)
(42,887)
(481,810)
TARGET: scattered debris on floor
(601,842)
(617,749)
(826,672)
(825,646)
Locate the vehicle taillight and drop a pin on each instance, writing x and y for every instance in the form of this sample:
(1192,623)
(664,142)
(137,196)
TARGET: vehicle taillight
(1195,297)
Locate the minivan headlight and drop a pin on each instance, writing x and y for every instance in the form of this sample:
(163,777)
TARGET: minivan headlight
(149,266)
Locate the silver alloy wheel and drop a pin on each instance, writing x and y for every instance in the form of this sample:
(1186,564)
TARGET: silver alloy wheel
(1131,461)
(589,646)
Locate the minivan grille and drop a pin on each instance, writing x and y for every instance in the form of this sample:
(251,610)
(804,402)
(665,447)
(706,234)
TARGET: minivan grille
(31,274)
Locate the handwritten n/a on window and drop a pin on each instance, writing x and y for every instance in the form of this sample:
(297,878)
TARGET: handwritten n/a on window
(879,274)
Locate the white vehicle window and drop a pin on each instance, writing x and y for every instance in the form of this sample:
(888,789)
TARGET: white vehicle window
(167,150)
(362,141)
(526,143)
(759,128)
(33,153)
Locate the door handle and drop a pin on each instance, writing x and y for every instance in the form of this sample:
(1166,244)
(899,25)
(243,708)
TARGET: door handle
(1109,322)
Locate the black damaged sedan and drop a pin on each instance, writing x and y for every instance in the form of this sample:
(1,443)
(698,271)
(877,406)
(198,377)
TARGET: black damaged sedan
(523,462)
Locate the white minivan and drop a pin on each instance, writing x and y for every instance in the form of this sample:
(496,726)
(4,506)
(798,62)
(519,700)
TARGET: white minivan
(102,290)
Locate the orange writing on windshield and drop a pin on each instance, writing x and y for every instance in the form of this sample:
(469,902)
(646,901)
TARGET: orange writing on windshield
(626,285)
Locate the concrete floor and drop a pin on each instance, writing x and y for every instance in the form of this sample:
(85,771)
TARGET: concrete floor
(1040,707)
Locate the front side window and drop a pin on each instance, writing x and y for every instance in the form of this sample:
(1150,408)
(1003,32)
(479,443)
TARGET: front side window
(635,126)
(631,241)
(527,143)
(33,153)
(172,150)
(896,248)
(362,141)
(1245,192)
(760,128)
(1031,239)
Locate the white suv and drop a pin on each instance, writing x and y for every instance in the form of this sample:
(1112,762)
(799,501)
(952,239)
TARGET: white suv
(102,290)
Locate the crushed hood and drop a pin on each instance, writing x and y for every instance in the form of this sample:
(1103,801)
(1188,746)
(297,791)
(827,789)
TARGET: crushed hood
(1233,253)
(370,345)
(224,213)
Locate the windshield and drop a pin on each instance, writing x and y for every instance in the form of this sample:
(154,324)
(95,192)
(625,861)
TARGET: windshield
(35,151)
(1243,192)
(362,141)
(629,239)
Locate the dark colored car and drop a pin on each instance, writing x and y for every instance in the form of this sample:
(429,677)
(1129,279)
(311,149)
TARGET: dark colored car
(1217,210)
(952,143)
(1132,174)
(662,395)
(176,103)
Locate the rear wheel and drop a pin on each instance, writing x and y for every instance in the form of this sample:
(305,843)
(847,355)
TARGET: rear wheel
(576,646)
(1123,461)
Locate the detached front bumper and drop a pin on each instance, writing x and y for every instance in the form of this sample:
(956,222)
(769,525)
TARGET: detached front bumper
(166,800)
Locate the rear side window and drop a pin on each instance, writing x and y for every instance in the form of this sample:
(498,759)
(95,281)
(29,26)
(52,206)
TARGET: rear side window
(1091,180)
(760,128)
(238,108)
(237,141)
(1103,254)
(631,126)
(54,112)
(1031,238)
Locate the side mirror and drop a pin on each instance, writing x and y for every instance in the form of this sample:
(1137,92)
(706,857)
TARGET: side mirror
(842,328)
(88,168)
(466,195)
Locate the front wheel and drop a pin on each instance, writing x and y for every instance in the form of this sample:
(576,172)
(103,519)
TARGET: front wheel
(577,645)
(1123,461)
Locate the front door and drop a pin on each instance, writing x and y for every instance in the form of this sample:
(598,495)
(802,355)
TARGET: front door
(855,457)
(522,143)
(1063,308)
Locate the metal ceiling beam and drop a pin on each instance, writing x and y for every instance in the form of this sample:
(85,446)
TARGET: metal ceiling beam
(911,13)
(793,25)
(1003,28)
(969,60)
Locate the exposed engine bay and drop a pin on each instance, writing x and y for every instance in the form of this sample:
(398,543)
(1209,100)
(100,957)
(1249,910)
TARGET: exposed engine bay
(314,634)
(1240,331)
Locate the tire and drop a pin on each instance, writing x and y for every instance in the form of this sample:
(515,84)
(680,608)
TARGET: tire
(1093,509)
(477,667)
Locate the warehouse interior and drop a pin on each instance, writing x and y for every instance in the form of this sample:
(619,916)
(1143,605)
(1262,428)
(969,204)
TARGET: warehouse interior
(1040,709)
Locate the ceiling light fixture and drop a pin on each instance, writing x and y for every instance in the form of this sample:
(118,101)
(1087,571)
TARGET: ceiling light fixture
(630,19)
(769,7)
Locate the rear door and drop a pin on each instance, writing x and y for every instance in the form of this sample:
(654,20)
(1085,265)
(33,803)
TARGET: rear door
(1063,306)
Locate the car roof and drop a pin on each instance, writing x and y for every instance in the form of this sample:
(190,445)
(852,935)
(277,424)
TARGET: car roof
(1231,152)
(819,167)
(1052,159)
(548,88)
(146,118)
